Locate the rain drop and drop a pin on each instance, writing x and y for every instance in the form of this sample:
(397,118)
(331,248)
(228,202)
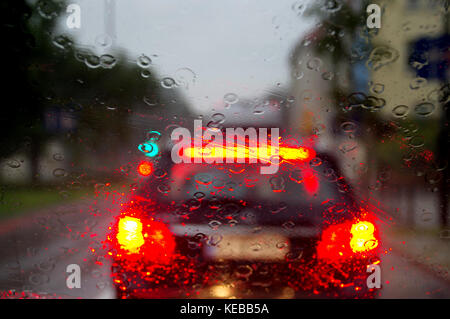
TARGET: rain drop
(400,110)
(424,109)
(327,76)
(168,83)
(231,98)
(143,61)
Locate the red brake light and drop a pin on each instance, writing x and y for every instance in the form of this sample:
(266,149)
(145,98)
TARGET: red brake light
(347,239)
(363,238)
(286,153)
(146,239)
(129,235)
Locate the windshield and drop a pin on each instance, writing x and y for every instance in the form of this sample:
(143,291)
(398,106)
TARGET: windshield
(139,134)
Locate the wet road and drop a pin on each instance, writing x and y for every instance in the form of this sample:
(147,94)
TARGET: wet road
(36,248)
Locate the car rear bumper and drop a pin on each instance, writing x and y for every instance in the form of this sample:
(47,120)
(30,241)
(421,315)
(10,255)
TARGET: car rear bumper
(300,279)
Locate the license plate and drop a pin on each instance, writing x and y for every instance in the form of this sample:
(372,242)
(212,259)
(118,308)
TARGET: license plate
(269,246)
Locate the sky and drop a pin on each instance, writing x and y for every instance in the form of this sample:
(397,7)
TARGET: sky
(233,46)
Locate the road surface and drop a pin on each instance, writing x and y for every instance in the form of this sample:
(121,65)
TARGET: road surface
(36,248)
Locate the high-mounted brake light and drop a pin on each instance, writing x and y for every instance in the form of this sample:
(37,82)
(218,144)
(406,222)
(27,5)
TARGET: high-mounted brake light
(256,153)
(363,237)
(130,235)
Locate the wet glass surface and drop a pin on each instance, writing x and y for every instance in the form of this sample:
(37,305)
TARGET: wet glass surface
(108,105)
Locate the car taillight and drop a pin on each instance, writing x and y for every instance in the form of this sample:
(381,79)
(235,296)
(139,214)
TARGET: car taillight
(129,235)
(347,240)
(144,239)
(363,238)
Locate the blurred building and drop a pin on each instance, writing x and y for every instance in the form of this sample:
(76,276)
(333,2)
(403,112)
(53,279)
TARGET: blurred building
(417,32)
(348,82)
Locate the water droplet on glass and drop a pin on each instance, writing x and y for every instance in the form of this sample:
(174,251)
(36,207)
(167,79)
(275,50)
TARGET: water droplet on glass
(296,175)
(357,99)
(204,179)
(290,99)
(288,225)
(417,83)
(143,61)
(298,7)
(314,64)
(277,183)
(145,73)
(258,109)
(400,110)
(255,247)
(46,266)
(38,279)
(347,147)
(101,285)
(433,177)
(377,88)
(214,239)
(348,127)
(151,100)
(63,42)
(231,98)
(163,188)
(214,224)
(417,141)
(168,83)
(58,157)
(331,6)
(373,103)
(13,163)
(92,61)
(316,161)
(160,173)
(244,271)
(327,76)
(48,9)
(218,118)
(59,172)
(107,61)
(153,136)
(81,55)
(103,41)
(424,109)
(381,56)
(298,74)
(199,195)
(185,77)
(218,184)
